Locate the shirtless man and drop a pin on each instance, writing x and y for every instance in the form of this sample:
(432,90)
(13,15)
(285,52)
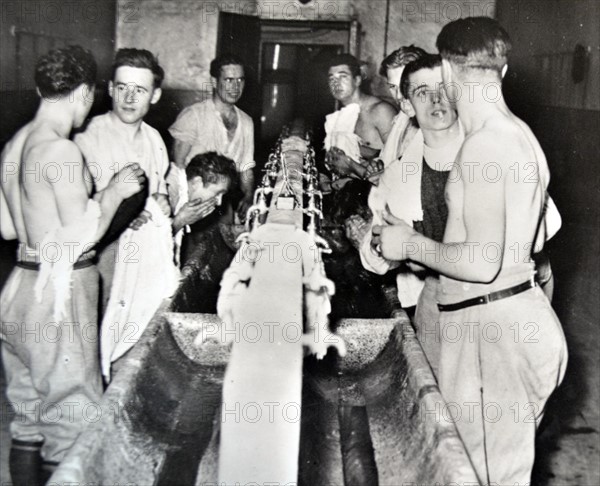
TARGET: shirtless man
(374,121)
(401,133)
(53,290)
(503,350)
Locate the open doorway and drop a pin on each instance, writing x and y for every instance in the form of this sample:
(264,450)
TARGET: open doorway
(294,85)
(286,75)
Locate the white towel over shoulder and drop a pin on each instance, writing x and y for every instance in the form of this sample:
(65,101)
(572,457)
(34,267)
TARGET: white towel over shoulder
(339,130)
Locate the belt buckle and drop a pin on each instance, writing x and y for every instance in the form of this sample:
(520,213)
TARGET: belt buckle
(485,299)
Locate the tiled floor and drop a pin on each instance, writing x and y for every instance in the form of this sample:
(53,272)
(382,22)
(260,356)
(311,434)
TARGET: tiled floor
(568,452)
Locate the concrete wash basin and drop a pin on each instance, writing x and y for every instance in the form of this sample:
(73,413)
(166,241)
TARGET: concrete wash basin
(374,417)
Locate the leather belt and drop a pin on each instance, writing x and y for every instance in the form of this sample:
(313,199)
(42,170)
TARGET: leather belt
(79,264)
(486,299)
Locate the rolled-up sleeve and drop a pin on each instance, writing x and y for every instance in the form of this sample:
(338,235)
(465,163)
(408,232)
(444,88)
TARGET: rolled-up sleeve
(248,156)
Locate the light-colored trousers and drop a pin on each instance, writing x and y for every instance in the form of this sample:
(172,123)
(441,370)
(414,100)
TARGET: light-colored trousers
(427,322)
(499,364)
(52,368)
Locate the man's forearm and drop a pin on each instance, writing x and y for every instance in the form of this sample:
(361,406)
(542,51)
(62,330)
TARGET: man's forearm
(469,261)
(368,153)
(109,202)
(180,152)
(247,183)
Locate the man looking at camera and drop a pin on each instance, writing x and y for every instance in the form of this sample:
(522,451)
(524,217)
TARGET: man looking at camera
(121,136)
(412,188)
(356,132)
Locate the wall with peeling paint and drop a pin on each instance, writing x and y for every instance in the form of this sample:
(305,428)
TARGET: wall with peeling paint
(184,32)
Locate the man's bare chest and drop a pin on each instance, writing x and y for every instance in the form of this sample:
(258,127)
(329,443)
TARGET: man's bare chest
(230,122)
(368,133)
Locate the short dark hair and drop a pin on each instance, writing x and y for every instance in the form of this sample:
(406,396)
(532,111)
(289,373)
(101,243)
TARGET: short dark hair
(224,60)
(475,43)
(61,70)
(400,57)
(345,59)
(211,167)
(139,58)
(428,61)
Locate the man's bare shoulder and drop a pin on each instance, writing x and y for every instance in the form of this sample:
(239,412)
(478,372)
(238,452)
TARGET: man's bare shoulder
(14,147)
(42,150)
(377,106)
(497,140)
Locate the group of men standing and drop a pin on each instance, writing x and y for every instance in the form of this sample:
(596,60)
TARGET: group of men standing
(104,196)
(454,212)
(459,208)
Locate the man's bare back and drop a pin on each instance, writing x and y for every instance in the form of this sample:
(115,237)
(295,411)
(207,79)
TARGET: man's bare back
(500,206)
(46,184)
(12,222)
(54,190)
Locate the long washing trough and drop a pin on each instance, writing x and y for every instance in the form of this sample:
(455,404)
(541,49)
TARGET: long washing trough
(274,388)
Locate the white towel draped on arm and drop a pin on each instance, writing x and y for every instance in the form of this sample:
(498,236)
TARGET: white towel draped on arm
(70,242)
(145,274)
